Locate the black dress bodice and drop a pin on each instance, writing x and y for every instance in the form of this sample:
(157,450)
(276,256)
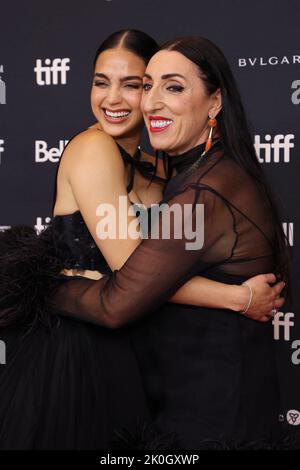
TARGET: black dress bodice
(75,246)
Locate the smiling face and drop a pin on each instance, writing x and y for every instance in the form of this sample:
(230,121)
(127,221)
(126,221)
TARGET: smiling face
(175,103)
(116,92)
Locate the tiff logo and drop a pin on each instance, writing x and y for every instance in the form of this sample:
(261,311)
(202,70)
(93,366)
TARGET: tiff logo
(282,320)
(43,154)
(39,226)
(288,229)
(2,88)
(296,94)
(2,352)
(1,148)
(274,151)
(53,72)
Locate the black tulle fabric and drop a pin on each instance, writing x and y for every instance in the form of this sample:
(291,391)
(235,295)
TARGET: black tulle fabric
(144,167)
(209,375)
(238,236)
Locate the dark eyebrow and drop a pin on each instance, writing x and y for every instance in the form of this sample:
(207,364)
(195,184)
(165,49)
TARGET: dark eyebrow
(124,79)
(101,75)
(172,75)
(166,76)
(131,77)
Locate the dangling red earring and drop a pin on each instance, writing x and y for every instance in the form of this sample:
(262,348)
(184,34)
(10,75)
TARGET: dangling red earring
(212,123)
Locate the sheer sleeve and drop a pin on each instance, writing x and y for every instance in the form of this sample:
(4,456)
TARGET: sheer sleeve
(193,230)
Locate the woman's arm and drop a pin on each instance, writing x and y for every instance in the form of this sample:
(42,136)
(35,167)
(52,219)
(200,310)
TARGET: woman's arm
(154,271)
(215,294)
(96,174)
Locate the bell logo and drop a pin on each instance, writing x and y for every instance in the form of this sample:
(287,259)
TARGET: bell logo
(274,152)
(53,72)
(1,148)
(43,154)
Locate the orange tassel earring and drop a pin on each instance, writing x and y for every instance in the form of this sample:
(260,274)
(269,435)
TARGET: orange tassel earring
(212,123)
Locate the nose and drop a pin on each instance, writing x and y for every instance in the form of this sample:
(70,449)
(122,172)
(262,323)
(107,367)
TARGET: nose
(114,95)
(151,101)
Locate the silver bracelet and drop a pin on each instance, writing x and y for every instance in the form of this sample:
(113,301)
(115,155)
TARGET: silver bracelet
(250,297)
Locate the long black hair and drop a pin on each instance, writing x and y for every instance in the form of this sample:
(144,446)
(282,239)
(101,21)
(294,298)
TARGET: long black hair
(215,73)
(135,41)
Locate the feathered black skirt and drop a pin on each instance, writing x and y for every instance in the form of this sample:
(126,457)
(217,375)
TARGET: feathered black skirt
(73,386)
(65,384)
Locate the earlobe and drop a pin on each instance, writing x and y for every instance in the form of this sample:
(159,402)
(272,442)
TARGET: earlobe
(217,104)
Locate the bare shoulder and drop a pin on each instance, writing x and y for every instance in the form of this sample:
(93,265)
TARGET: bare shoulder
(92,138)
(152,159)
(91,146)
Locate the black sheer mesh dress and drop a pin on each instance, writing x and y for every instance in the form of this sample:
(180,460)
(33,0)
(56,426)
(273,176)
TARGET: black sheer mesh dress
(210,375)
(66,384)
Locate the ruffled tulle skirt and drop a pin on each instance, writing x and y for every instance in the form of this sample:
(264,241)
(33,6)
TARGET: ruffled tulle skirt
(72,386)
(66,384)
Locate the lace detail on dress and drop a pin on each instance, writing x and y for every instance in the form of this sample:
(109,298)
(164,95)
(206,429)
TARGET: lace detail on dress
(74,244)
